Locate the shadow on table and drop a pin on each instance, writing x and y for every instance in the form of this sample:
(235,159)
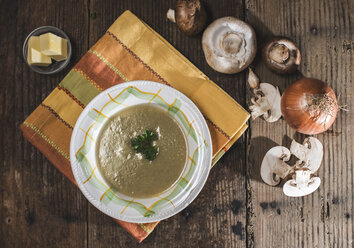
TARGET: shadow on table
(258,148)
(264,35)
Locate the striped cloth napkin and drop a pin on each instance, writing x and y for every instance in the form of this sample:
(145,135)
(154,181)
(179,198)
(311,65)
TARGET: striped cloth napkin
(129,50)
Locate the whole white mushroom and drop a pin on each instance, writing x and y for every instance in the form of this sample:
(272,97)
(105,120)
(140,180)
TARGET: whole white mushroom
(229,45)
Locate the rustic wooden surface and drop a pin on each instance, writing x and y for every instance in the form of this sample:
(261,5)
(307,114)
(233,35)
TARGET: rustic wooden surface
(41,208)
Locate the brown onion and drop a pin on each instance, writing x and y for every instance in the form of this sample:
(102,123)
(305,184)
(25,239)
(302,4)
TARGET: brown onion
(309,106)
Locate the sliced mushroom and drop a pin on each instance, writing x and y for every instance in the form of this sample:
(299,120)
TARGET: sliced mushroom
(273,166)
(281,55)
(267,99)
(190,16)
(266,103)
(171,15)
(310,153)
(229,45)
(252,79)
(302,184)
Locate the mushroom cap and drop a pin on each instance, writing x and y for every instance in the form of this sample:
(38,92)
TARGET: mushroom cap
(310,153)
(229,45)
(302,184)
(190,16)
(273,166)
(281,55)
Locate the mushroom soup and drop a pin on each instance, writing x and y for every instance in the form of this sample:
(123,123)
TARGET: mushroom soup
(141,151)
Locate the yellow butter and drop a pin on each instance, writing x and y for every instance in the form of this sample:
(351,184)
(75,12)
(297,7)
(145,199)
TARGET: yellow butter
(53,46)
(34,55)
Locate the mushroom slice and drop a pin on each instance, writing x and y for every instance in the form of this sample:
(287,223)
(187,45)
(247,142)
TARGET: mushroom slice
(302,184)
(171,15)
(273,166)
(267,103)
(252,79)
(229,45)
(281,55)
(310,153)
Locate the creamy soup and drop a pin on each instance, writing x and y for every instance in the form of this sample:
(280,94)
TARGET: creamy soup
(141,151)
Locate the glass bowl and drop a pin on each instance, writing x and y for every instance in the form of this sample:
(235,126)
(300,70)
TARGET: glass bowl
(56,66)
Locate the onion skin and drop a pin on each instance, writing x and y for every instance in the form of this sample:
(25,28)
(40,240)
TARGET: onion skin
(295,106)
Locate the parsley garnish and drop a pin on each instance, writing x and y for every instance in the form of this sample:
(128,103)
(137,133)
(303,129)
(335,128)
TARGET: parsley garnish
(143,144)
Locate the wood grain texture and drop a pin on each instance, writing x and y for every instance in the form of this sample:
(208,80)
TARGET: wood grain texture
(323,31)
(40,208)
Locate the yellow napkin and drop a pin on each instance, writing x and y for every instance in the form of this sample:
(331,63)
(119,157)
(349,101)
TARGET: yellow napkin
(129,50)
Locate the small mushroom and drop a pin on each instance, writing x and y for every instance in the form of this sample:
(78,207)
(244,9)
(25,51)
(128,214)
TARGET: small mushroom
(310,153)
(302,184)
(273,166)
(229,45)
(190,16)
(281,55)
(267,98)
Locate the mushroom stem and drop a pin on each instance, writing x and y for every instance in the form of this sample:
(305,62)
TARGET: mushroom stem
(231,43)
(279,53)
(302,184)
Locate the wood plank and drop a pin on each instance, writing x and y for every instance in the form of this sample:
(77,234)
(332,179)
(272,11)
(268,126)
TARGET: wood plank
(39,207)
(217,217)
(323,30)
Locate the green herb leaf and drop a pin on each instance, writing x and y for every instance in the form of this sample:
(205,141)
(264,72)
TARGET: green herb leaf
(143,144)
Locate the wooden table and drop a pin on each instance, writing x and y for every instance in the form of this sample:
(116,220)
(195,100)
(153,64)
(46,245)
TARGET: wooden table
(41,208)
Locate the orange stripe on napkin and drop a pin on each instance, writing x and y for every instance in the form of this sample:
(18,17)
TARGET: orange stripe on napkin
(98,71)
(111,50)
(61,136)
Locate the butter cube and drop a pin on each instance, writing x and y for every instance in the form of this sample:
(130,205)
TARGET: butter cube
(34,55)
(53,46)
